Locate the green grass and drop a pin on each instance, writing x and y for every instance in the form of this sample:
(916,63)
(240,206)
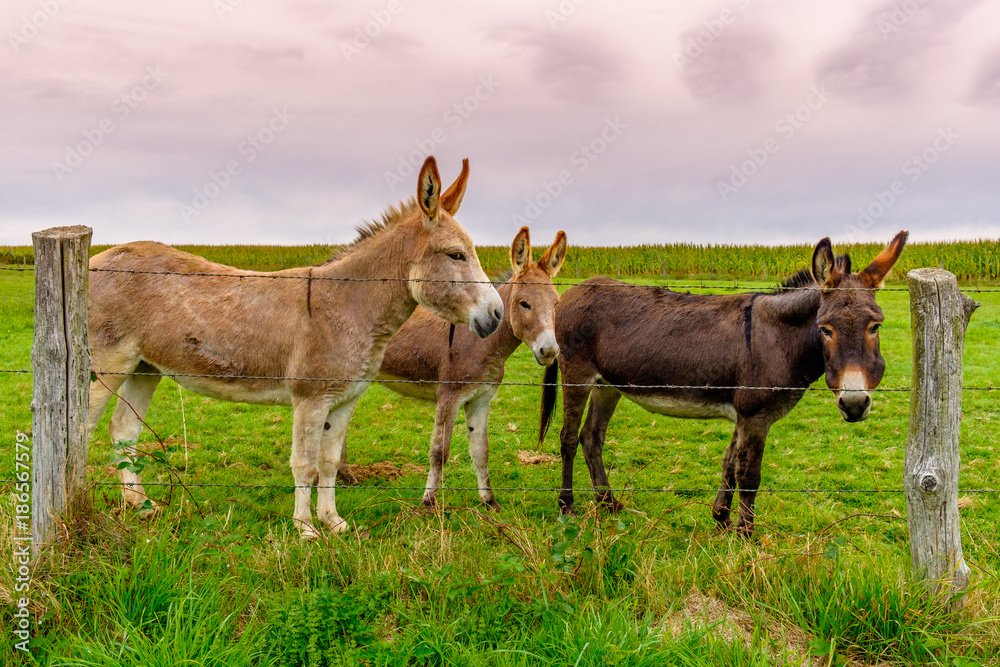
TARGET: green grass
(220,577)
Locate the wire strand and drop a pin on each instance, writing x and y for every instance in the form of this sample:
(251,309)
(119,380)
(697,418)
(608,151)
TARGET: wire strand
(505,489)
(633,387)
(273,276)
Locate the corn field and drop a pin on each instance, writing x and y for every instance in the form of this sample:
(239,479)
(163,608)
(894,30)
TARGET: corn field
(968,260)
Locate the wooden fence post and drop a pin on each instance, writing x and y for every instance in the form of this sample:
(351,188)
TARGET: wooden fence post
(60,361)
(939,316)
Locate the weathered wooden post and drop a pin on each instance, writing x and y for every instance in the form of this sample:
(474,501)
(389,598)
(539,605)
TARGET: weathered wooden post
(939,316)
(60,361)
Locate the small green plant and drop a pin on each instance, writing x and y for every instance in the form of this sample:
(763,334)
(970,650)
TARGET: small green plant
(318,628)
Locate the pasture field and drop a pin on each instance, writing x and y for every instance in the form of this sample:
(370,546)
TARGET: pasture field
(220,577)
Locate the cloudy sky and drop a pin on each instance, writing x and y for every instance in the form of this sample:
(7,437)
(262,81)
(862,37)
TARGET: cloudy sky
(737,121)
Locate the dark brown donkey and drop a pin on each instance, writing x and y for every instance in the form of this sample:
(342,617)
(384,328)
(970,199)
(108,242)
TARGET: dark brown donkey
(423,349)
(611,333)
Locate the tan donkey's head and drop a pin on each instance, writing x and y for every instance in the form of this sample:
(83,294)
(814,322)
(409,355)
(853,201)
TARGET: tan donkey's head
(445,276)
(533,298)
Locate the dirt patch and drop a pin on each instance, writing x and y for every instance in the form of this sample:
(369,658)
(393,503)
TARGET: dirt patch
(172,440)
(732,624)
(383,470)
(527,458)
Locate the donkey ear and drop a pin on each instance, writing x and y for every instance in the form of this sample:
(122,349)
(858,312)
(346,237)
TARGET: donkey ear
(553,258)
(874,274)
(825,271)
(429,191)
(452,197)
(520,253)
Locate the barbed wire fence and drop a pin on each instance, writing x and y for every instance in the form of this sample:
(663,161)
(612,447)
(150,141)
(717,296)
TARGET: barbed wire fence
(66,260)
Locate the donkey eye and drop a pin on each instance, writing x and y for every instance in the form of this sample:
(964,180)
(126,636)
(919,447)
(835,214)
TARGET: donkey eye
(525,305)
(874,329)
(827,331)
(457,256)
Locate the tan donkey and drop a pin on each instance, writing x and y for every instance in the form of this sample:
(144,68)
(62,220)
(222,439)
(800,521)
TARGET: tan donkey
(305,337)
(425,349)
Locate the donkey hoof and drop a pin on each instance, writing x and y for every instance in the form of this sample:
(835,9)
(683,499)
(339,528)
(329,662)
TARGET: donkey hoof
(610,503)
(142,506)
(426,507)
(492,504)
(137,500)
(337,525)
(723,524)
(149,511)
(308,533)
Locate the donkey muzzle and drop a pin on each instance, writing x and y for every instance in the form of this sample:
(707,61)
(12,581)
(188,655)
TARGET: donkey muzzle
(487,319)
(545,348)
(854,405)
(854,400)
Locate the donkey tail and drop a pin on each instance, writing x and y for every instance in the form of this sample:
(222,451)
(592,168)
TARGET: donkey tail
(550,387)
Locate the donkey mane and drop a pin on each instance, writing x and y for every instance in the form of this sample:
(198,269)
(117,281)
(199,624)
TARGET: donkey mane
(391,216)
(804,277)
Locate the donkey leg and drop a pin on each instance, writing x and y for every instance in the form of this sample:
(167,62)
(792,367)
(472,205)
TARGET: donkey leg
(724,498)
(444,423)
(749,453)
(477,418)
(135,396)
(345,476)
(331,452)
(574,401)
(308,419)
(100,396)
(603,401)
(113,367)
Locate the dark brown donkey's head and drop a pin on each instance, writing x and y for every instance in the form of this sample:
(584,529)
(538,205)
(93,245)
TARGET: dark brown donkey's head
(532,306)
(849,320)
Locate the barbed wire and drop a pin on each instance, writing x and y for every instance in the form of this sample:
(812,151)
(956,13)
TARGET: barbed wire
(684,286)
(505,489)
(633,387)
(272,276)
